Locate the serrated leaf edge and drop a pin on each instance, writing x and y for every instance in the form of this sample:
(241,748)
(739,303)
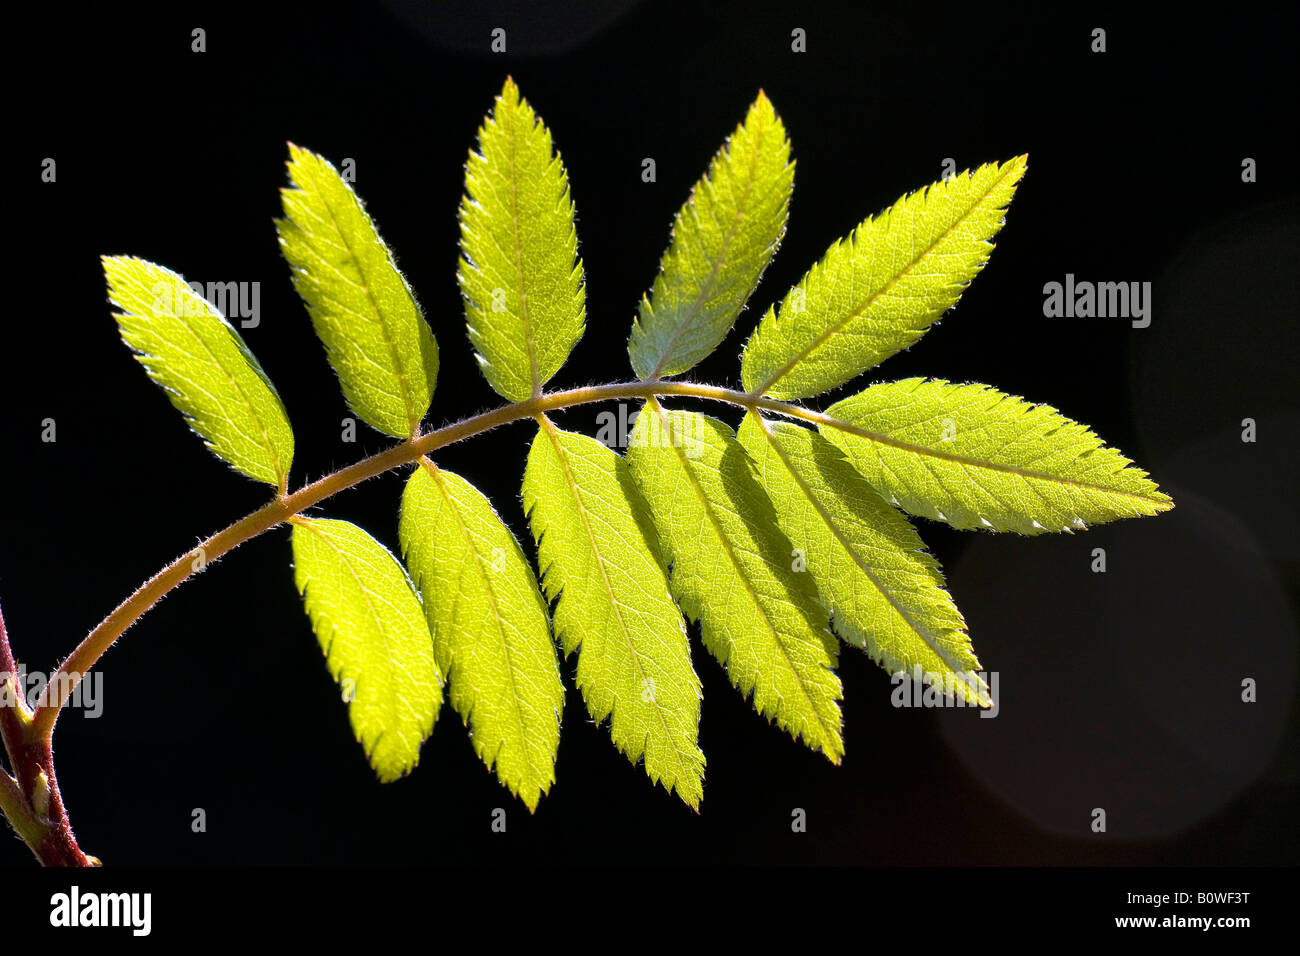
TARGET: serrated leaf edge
(864,566)
(833,735)
(1015,169)
(546,426)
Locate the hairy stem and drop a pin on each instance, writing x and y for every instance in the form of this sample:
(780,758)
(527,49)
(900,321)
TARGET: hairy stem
(276,512)
(30,798)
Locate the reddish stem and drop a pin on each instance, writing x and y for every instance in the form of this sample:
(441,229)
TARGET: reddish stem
(32,762)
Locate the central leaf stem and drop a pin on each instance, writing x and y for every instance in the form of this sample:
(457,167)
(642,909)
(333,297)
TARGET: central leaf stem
(277,512)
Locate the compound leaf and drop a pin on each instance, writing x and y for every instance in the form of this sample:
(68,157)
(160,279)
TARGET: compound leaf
(884,591)
(519,271)
(597,550)
(977,458)
(878,290)
(361,307)
(490,628)
(203,365)
(368,620)
(732,571)
(723,238)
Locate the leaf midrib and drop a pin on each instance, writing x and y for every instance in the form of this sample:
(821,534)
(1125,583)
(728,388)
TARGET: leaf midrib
(512,176)
(923,451)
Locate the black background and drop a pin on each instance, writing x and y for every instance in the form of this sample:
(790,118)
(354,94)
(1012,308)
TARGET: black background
(1120,690)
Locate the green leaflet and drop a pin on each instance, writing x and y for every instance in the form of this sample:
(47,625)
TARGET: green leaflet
(596,547)
(360,305)
(369,623)
(878,290)
(519,272)
(490,627)
(732,571)
(977,458)
(723,238)
(884,592)
(204,366)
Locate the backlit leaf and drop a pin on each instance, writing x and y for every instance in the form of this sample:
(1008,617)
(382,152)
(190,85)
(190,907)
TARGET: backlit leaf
(977,458)
(204,366)
(878,290)
(519,271)
(596,547)
(490,627)
(732,570)
(368,620)
(884,592)
(723,238)
(375,336)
